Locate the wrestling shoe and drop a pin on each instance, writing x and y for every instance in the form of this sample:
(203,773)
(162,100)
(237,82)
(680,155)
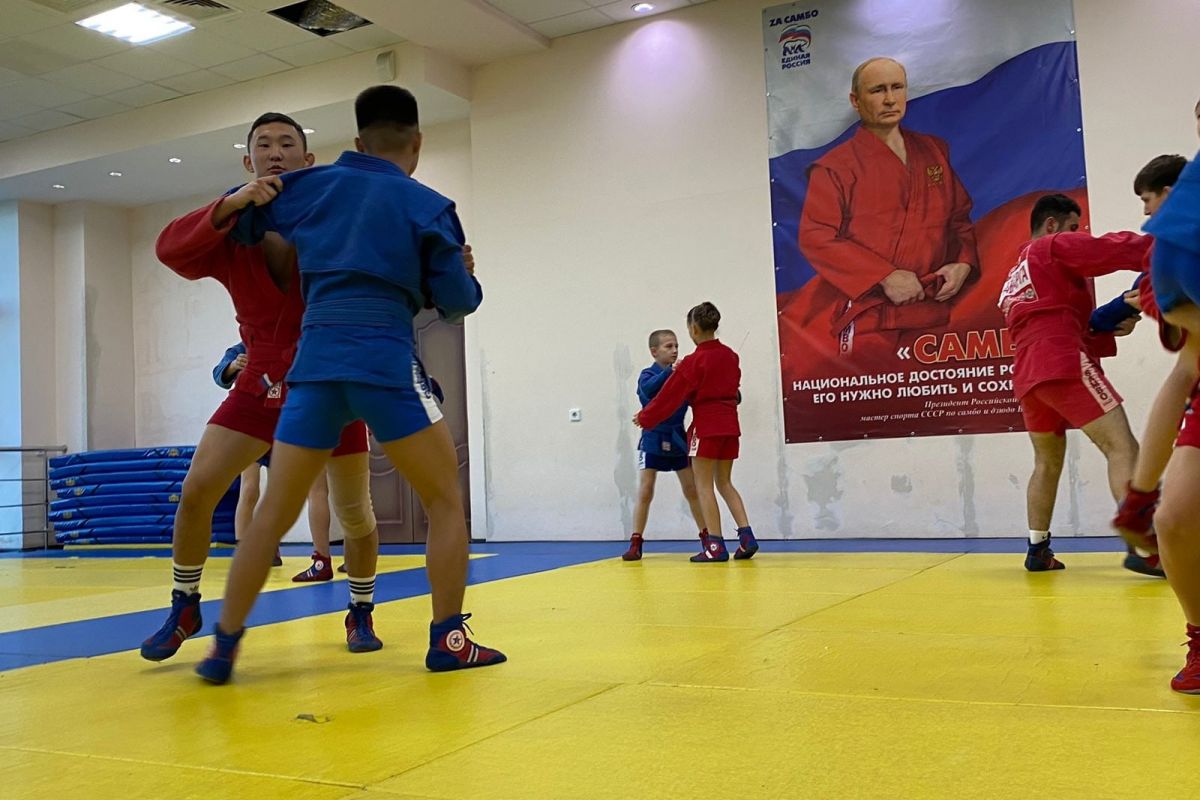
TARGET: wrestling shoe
(450,648)
(360,629)
(714,550)
(277,561)
(1188,679)
(634,553)
(1144,565)
(183,621)
(342,568)
(747,544)
(1040,558)
(319,570)
(218,665)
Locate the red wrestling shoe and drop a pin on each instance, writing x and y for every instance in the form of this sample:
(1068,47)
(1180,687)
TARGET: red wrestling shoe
(1188,678)
(319,570)
(634,553)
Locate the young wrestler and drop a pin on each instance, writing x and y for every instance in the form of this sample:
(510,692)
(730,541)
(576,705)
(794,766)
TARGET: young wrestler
(708,380)
(661,449)
(1175,275)
(373,246)
(263,283)
(1047,302)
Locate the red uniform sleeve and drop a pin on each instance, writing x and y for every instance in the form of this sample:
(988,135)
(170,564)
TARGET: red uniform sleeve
(678,390)
(846,264)
(1101,345)
(193,247)
(1091,256)
(964,248)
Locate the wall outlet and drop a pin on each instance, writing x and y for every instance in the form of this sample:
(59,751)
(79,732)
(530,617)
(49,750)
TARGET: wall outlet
(575,415)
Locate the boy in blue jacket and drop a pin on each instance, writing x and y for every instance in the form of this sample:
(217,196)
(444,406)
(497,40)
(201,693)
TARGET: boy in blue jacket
(374,246)
(664,448)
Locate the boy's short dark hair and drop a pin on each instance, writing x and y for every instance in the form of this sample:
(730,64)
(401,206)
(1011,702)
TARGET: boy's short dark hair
(275,116)
(1058,206)
(388,106)
(657,337)
(1160,173)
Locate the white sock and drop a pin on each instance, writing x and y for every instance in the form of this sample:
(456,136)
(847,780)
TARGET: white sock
(362,590)
(1037,537)
(187,579)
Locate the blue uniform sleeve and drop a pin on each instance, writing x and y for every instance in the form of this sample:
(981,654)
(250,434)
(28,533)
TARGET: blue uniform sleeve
(1107,317)
(219,370)
(452,290)
(650,384)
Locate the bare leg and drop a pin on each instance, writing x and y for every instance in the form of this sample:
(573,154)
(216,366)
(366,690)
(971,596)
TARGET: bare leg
(641,511)
(318,515)
(247,499)
(705,470)
(428,462)
(1158,439)
(350,498)
(1049,453)
(730,493)
(687,482)
(1178,524)
(293,470)
(220,457)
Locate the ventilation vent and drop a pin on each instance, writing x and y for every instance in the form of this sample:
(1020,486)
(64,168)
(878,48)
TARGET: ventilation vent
(194,10)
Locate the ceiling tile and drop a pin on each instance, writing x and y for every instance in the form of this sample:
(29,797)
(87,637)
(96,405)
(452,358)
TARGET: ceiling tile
(92,78)
(31,59)
(199,81)
(368,37)
(571,23)
(79,43)
(264,5)
(10,76)
(260,32)
(252,67)
(44,93)
(95,108)
(145,64)
(202,49)
(48,120)
(9,131)
(20,18)
(528,11)
(145,95)
(314,52)
(11,109)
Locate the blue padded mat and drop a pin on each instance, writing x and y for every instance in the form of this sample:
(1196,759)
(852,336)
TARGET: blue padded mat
(130,530)
(111,510)
(126,502)
(118,468)
(144,487)
(96,456)
(124,477)
(224,538)
(219,519)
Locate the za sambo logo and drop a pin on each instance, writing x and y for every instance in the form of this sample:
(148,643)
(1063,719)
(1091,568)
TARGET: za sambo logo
(795,40)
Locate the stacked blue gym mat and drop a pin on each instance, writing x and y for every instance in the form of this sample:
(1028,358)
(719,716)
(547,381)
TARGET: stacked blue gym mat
(125,496)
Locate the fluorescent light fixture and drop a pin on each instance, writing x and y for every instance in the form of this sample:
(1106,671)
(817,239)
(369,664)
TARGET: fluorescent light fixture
(239,146)
(135,24)
(307,131)
(643,8)
(114,174)
(174,160)
(58,186)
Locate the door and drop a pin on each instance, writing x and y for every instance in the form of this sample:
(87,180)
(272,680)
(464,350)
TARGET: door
(397,509)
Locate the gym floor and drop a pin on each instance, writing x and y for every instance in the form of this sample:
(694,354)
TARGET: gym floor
(818,670)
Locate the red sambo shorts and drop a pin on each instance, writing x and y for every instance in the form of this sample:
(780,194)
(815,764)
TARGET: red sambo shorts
(1189,433)
(718,448)
(1056,405)
(245,413)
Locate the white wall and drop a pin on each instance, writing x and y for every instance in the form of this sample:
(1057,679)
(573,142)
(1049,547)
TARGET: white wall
(622,176)
(613,181)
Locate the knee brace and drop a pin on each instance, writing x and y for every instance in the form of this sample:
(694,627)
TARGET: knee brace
(350,501)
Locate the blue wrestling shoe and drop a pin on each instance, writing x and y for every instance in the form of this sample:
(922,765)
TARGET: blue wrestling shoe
(450,648)
(747,544)
(1040,558)
(360,629)
(714,551)
(183,621)
(218,666)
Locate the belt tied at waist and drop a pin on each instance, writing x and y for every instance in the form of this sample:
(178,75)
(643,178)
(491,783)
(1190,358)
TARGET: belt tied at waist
(358,311)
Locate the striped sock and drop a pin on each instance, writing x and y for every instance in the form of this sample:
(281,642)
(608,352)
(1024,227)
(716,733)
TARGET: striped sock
(362,590)
(187,579)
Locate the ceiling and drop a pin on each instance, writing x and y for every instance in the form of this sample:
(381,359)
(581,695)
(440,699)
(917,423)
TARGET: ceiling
(76,105)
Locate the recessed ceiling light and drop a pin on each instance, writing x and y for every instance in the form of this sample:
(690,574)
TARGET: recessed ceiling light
(174,160)
(114,174)
(58,186)
(239,146)
(307,131)
(642,8)
(135,24)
